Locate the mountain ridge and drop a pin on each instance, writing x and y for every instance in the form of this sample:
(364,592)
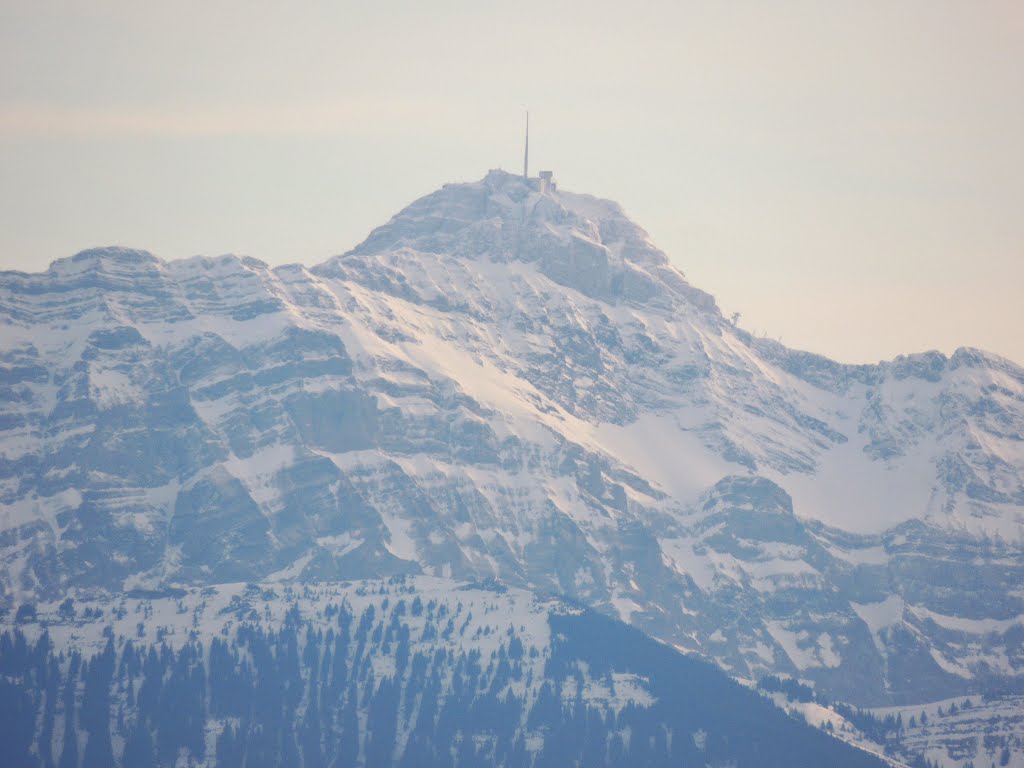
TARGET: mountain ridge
(771,348)
(495,180)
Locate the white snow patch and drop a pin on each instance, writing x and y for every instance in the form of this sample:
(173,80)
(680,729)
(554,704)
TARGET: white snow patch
(878,616)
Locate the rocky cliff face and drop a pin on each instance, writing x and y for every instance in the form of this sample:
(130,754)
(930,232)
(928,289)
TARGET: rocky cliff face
(503,383)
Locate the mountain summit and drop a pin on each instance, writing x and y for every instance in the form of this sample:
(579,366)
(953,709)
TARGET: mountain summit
(512,383)
(577,241)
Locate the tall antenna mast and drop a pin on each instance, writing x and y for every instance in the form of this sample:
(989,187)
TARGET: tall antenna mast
(526,157)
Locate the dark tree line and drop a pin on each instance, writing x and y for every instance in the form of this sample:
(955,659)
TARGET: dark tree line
(369,689)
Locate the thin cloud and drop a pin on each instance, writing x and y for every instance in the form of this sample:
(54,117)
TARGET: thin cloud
(308,119)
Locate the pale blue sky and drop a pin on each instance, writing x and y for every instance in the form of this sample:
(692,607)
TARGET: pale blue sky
(848,176)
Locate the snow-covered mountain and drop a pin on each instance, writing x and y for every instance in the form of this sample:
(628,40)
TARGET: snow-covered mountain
(510,382)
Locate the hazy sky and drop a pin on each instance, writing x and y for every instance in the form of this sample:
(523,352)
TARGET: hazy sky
(848,176)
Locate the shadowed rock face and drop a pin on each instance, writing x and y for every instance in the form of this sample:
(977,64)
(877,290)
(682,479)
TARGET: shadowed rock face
(500,383)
